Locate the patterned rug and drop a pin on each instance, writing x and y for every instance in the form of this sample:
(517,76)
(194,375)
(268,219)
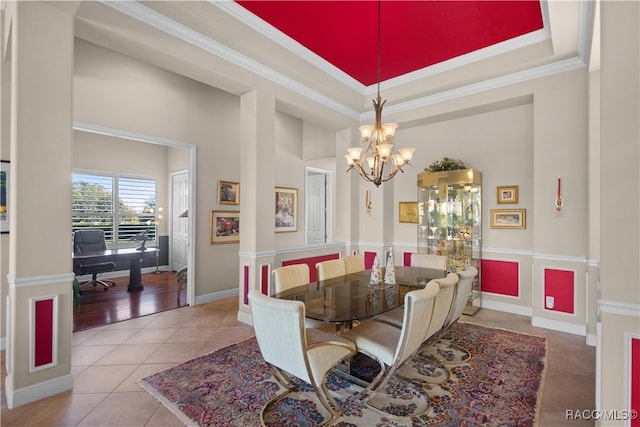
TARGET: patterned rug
(472,376)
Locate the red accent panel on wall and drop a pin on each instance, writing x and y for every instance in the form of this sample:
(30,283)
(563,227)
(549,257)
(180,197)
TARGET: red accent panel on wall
(559,285)
(407,259)
(500,277)
(368,259)
(246,285)
(635,380)
(265,279)
(43,332)
(311,262)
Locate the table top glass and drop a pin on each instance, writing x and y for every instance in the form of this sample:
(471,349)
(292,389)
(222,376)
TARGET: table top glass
(351,297)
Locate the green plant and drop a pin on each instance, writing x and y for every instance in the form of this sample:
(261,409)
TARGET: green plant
(445,164)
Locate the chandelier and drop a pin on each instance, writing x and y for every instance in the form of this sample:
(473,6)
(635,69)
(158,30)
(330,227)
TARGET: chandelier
(377,162)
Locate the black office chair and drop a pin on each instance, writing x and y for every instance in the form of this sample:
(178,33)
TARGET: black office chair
(87,241)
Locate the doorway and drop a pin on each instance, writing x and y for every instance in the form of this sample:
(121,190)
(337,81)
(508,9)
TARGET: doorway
(317,206)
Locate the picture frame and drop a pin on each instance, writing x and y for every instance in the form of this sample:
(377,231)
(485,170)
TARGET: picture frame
(509,218)
(408,212)
(5,176)
(228,193)
(224,227)
(286,209)
(507,194)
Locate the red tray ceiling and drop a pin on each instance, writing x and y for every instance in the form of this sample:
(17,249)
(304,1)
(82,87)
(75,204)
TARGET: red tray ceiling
(415,34)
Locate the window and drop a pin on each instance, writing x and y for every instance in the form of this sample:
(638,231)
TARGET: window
(121,206)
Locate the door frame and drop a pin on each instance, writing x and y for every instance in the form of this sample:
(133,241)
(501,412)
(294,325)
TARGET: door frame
(328,198)
(191,148)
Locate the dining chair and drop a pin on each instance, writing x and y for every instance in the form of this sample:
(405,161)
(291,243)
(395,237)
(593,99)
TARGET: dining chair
(436,262)
(389,345)
(290,349)
(292,276)
(463,290)
(289,276)
(442,306)
(354,263)
(331,268)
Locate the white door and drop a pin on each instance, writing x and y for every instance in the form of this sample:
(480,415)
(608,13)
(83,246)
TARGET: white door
(179,225)
(316,203)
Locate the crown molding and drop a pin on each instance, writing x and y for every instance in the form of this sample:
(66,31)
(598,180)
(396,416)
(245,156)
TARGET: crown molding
(156,20)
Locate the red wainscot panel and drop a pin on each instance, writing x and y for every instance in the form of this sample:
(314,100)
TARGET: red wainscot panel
(500,277)
(407,259)
(368,260)
(264,268)
(311,262)
(559,290)
(635,380)
(44,329)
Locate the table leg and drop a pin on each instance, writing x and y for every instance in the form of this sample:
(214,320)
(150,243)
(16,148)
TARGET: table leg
(135,276)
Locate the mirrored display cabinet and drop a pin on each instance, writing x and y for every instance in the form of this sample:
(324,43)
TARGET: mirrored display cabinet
(450,221)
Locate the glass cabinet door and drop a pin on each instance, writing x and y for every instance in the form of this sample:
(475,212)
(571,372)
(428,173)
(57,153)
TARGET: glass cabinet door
(449,220)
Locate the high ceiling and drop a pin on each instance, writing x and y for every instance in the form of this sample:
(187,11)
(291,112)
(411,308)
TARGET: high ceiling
(414,34)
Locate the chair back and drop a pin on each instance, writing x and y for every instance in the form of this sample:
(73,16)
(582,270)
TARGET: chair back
(331,268)
(442,304)
(463,290)
(89,240)
(418,308)
(280,331)
(289,276)
(436,262)
(354,263)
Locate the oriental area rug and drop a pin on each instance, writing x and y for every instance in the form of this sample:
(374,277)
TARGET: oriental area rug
(471,376)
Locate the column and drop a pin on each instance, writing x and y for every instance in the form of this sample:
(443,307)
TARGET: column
(39,302)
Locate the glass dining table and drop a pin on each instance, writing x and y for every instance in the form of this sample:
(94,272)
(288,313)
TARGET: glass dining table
(345,299)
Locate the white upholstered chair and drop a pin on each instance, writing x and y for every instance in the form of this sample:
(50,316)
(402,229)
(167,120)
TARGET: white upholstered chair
(442,305)
(463,290)
(437,262)
(292,276)
(291,349)
(389,345)
(289,276)
(331,268)
(354,263)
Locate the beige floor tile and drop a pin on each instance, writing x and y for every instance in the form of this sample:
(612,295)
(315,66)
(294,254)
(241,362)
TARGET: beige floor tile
(85,355)
(175,353)
(165,418)
(131,383)
(128,354)
(101,379)
(107,337)
(151,335)
(131,409)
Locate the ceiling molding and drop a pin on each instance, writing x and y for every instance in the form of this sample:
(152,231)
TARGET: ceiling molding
(188,35)
(267,30)
(156,20)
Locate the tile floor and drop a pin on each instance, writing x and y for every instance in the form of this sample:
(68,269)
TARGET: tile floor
(108,361)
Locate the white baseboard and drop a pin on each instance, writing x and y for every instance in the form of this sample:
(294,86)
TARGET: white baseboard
(558,325)
(202,299)
(507,308)
(245,318)
(38,391)
(592,340)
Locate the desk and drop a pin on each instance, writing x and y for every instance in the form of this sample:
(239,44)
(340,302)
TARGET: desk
(347,298)
(134,256)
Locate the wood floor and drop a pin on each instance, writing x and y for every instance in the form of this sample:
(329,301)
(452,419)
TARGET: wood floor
(98,307)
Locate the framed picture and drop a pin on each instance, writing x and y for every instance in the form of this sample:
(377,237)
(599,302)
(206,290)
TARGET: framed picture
(4,196)
(508,218)
(286,209)
(508,194)
(224,227)
(228,193)
(408,212)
